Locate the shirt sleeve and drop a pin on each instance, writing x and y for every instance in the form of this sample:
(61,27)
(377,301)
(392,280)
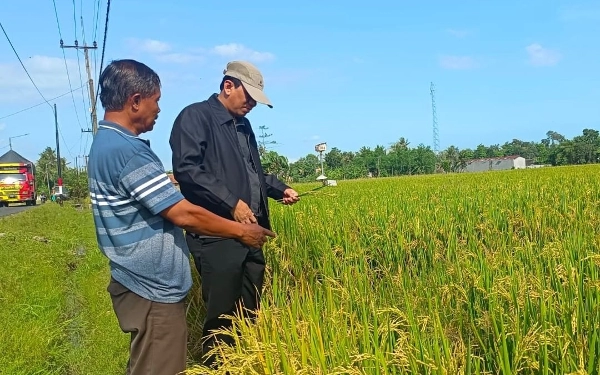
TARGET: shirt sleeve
(146,181)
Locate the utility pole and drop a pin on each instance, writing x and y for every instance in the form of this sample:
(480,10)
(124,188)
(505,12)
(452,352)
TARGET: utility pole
(85,49)
(58,161)
(84,158)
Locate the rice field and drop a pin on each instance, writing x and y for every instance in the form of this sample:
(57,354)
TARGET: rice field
(489,273)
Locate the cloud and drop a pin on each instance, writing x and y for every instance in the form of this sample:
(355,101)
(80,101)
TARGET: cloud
(457,62)
(459,33)
(540,56)
(48,73)
(2,126)
(166,52)
(239,51)
(163,51)
(149,45)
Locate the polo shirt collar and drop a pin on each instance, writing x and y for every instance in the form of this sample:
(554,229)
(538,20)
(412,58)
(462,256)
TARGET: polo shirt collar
(118,128)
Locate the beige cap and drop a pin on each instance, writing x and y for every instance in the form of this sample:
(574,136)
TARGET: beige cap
(251,78)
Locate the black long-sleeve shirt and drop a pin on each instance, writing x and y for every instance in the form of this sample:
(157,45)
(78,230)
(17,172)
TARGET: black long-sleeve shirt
(243,132)
(208,160)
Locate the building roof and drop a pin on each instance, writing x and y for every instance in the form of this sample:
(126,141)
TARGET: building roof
(13,157)
(511,157)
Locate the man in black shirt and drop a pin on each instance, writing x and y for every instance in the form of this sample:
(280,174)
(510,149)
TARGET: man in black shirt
(217,166)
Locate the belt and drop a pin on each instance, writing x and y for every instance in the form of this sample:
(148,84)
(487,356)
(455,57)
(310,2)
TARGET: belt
(199,236)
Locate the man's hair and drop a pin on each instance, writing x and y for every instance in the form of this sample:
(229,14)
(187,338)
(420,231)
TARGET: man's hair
(236,82)
(124,78)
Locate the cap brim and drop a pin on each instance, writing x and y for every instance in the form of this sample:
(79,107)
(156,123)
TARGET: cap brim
(257,95)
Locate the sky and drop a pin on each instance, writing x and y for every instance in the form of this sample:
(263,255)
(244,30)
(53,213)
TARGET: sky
(351,75)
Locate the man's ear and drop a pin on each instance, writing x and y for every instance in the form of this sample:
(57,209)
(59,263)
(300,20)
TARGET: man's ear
(227,87)
(135,101)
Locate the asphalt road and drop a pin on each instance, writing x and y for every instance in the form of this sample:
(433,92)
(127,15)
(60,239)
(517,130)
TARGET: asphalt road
(5,211)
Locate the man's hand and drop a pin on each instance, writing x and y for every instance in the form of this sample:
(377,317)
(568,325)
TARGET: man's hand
(255,236)
(290,196)
(242,213)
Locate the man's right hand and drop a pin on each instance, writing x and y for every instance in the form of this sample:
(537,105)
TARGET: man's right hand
(255,236)
(242,213)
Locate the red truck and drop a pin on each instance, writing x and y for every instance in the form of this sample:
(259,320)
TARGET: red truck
(17,180)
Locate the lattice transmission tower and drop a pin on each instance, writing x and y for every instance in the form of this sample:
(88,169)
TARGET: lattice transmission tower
(436,135)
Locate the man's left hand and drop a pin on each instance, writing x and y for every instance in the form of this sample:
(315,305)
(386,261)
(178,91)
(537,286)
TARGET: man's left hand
(290,196)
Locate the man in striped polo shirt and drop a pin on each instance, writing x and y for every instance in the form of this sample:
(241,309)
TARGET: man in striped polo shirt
(138,215)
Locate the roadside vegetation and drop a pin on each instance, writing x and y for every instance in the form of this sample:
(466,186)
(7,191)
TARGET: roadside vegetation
(56,314)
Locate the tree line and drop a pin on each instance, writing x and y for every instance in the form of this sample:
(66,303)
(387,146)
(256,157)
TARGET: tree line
(402,159)
(397,159)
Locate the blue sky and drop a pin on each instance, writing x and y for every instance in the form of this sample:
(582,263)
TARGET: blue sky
(352,75)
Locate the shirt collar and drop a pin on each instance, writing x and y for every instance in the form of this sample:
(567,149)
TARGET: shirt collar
(109,125)
(221,113)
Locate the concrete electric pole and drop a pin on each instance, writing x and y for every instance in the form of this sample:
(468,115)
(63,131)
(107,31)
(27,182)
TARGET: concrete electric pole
(85,49)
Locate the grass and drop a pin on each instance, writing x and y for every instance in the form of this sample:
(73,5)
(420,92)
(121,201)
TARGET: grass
(57,314)
(489,273)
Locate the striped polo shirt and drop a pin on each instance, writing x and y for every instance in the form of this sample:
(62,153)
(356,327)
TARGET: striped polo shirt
(129,188)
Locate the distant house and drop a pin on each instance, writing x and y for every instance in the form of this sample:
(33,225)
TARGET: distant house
(173,180)
(14,157)
(496,164)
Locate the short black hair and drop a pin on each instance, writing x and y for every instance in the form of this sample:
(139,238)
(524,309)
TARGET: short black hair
(124,78)
(236,82)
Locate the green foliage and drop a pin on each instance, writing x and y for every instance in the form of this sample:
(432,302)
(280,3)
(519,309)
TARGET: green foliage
(77,183)
(74,179)
(275,164)
(47,170)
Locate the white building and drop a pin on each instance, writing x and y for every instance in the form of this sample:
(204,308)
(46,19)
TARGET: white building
(496,164)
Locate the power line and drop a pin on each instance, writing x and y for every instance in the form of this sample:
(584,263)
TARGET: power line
(74,20)
(25,69)
(39,104)
(31,79)
(66,66)
(103,48)
(96,16)
(78,60)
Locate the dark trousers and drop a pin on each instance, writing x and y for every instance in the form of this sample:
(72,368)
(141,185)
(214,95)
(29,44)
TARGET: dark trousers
(158,331)
(232,274)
